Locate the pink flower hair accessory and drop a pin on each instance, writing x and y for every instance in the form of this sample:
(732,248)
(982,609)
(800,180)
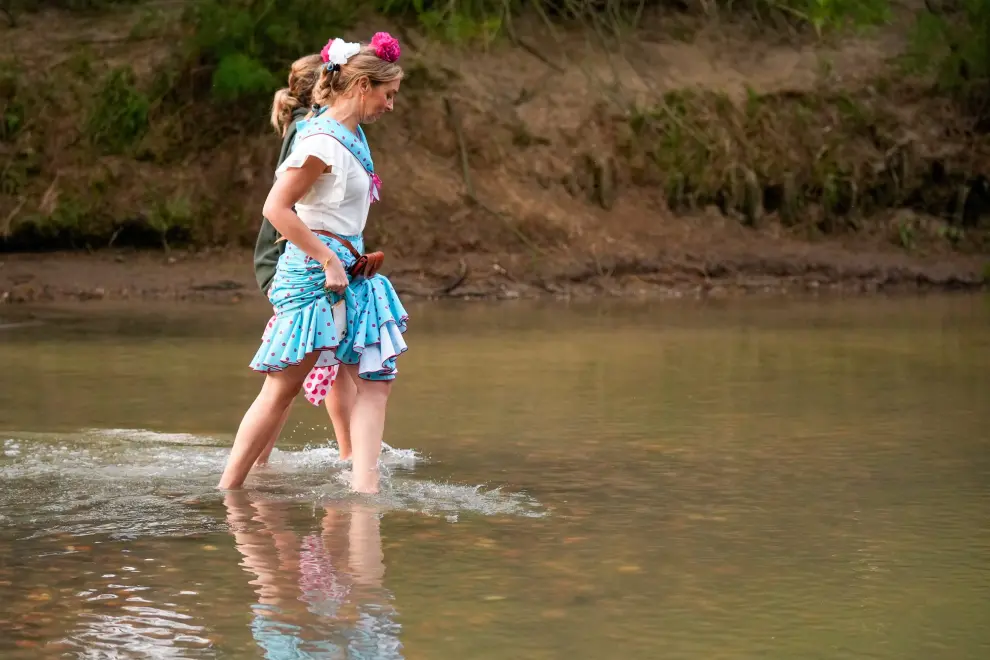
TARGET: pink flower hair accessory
(325,53)
(386,46)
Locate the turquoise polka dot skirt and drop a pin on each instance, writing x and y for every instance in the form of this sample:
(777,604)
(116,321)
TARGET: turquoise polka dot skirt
(303,321)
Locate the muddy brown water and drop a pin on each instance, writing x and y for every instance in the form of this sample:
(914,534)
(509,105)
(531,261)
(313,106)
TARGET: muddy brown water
(747,480)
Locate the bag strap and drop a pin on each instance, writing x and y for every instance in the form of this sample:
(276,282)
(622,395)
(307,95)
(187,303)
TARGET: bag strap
(347,244)
(343,241)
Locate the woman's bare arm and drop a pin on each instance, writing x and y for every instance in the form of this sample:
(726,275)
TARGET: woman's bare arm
(289,188)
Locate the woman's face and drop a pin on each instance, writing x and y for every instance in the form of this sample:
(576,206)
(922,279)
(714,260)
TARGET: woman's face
(378,100)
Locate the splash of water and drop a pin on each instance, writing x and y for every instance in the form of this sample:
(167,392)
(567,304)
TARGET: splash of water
(136,482)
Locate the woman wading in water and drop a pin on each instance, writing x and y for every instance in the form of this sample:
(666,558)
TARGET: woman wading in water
(291,105)
(330,305)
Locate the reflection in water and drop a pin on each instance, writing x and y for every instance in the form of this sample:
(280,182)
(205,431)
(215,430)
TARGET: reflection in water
(755,483)
(320,594)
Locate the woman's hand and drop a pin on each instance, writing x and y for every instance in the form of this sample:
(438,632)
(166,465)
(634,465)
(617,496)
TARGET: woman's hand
(336,277)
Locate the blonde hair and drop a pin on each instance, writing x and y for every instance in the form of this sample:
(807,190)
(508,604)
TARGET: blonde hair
(365,64)
(303,75)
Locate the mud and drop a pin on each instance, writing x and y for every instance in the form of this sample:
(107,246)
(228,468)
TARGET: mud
(714,269)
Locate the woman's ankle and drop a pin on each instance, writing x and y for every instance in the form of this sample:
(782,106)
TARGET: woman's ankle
(366,489)
(365,481)
(229,483)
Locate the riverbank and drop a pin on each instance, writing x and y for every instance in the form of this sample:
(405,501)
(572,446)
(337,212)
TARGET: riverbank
(687,157)
(738,263)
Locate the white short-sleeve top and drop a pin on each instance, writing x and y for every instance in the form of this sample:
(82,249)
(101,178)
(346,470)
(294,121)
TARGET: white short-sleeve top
(339,200)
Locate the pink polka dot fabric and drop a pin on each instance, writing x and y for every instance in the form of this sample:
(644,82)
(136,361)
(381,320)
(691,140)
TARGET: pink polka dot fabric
(318,383)
(366,329)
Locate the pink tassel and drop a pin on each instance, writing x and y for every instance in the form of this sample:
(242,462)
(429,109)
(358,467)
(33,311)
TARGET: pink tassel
(376,188)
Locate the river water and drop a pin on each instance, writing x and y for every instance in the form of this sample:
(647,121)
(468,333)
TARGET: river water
(771,479)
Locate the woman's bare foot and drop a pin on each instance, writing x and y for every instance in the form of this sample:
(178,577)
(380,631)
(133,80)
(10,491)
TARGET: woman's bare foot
(365,483)
(262,421)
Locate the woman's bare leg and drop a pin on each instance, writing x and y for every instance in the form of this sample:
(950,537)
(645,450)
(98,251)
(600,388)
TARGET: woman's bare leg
(367,429)
(340,405)
(261,420)
(267,451)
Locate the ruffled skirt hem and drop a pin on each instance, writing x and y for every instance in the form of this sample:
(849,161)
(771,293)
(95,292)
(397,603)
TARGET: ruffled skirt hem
(289,338)
(304,324)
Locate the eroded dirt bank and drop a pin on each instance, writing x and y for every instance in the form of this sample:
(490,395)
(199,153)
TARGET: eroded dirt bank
(743,266)
(580,188)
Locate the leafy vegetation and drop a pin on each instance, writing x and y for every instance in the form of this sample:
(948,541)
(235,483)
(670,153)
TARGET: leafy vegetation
(10,9)
(12,110)
(119,113)
(69,5)
(249,44)
(952,40)
(778,153)
(828,159)
(828,156)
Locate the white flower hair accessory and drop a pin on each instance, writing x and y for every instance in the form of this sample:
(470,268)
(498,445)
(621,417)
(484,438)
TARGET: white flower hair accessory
(337,52)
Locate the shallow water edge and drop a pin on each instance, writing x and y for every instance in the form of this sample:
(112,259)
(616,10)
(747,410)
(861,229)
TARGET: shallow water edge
(225,276)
